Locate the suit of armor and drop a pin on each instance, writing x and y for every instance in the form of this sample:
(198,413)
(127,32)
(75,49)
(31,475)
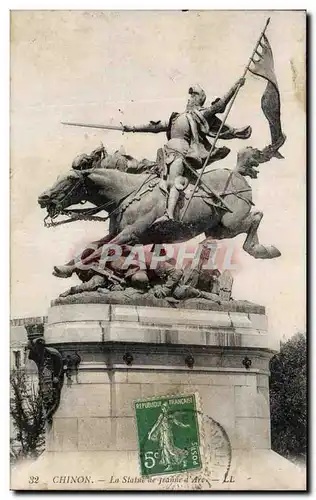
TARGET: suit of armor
(188,143)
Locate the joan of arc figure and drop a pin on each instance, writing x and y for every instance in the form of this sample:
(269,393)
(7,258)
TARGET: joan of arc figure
(187,135)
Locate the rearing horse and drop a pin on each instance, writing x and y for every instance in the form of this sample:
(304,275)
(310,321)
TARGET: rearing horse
(135,201)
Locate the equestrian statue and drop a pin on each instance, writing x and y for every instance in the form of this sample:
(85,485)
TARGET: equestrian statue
(183,193)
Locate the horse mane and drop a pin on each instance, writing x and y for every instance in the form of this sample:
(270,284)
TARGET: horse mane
(122,177)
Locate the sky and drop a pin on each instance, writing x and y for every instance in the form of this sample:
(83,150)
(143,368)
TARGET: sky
(108,67)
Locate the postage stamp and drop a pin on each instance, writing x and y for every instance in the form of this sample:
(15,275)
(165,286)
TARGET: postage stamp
(146,192)
(168,434)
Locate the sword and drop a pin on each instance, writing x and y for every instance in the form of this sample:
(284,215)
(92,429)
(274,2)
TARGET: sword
(95,125)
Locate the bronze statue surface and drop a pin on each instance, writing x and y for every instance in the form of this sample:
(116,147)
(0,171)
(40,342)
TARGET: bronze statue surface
(180,195)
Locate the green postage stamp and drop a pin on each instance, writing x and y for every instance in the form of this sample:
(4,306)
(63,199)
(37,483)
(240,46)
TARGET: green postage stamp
(168,434)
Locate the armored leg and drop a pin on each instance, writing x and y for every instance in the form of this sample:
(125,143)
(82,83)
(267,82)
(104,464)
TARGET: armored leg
(91,285)
(178,182)
(172,201)
(182,292)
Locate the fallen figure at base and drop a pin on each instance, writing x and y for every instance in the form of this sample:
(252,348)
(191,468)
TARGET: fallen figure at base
(165,282)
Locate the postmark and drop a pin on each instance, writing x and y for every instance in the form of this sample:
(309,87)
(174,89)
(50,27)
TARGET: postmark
(216,453)
(168,434)
(157,194)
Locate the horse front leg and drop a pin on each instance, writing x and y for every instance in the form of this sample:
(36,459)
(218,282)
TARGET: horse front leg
(66,270)
(93,253)
(128,236)
(125,237)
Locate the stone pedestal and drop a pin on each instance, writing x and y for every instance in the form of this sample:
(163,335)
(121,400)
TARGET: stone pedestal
(132,352)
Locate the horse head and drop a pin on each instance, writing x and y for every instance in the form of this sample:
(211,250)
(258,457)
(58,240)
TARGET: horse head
(68,190)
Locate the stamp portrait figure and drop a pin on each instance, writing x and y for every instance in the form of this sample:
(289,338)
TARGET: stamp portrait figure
(162,431)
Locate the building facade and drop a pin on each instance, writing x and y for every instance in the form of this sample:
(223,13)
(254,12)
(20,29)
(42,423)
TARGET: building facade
(18,342)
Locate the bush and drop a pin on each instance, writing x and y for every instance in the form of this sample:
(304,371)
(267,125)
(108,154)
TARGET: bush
(27,414)
(288,398)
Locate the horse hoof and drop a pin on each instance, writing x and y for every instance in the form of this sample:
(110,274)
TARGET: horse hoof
(63,271)
(263,252)
(266,252)
(273,252)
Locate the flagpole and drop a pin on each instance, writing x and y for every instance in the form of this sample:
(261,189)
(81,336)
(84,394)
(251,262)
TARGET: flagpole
(224,119)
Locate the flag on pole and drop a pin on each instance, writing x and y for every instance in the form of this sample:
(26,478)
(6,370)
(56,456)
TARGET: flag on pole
(262,65)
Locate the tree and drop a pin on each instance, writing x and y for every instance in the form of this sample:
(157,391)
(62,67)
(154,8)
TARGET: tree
(26,408)
(288,398)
